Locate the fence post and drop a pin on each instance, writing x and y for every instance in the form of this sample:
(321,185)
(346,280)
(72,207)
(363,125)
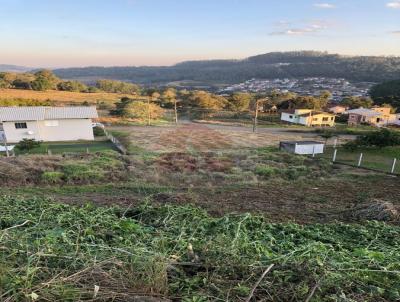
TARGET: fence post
(360,160)
(334,155)
(394,165)
(335,143)
(313,151)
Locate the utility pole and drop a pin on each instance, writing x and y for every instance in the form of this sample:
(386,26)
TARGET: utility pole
(256,117)
(5,145)
(148,111)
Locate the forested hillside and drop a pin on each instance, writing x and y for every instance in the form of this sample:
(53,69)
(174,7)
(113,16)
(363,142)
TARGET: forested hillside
(271,65)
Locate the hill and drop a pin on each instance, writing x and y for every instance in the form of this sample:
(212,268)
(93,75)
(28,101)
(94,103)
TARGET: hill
(267,66)
(13,68)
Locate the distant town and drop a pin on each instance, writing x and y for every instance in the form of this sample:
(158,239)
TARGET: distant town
(339,87)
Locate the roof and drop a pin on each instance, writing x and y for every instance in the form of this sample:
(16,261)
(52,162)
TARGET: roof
(12,114)
(302,143)
(313,113)
(364,112)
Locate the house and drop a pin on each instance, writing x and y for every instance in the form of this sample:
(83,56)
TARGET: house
(376,116)
(308,117)
(337,109)
(47,124)
(303,147)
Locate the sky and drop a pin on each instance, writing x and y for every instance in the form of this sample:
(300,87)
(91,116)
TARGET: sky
(67,33)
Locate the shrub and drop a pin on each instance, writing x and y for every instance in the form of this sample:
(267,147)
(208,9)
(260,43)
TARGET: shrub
(265,171)
(98,131)
(81,172)
(28,144)
(380,139)
(52,177)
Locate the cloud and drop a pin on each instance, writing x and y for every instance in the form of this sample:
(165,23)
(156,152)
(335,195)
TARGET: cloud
(394,4)
(324,5)
(396,32)
(309,28)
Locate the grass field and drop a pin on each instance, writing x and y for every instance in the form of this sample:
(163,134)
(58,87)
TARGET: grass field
(196,213)
(374,158)
(69,147)
(60,96)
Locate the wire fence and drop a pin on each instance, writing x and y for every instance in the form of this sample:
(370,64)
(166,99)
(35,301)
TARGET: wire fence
(382,160)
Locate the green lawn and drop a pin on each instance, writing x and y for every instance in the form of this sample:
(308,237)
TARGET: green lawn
(373,158)
(70,147)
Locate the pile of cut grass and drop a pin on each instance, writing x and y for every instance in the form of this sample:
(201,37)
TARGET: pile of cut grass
(57,252)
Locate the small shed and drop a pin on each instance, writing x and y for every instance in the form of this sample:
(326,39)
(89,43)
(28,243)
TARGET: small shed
(303,147)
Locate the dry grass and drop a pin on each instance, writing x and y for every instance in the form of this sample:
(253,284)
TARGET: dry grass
(60,96)
(197,137)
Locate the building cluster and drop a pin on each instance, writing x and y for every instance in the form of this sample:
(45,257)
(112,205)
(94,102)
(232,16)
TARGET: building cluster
(339,88)
(375,116)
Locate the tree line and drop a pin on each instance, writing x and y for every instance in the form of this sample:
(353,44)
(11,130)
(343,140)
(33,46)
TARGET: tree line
(44,80)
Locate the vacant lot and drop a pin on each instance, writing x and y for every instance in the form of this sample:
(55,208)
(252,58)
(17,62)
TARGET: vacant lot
(60,96)
(199,137)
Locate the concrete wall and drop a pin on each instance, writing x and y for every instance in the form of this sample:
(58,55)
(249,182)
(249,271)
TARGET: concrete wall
(51,131)
(308,149)
(289,117)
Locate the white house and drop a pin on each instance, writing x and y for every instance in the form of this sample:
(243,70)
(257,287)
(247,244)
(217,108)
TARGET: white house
(303,147)
(308,117)
(47,124)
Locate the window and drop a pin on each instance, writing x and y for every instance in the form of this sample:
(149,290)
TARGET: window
(290,116)
(332,118)
(21,126)
(51,123)
(325,119)
(315,119)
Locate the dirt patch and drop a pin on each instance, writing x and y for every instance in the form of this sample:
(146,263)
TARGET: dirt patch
(203,138)
(184,162)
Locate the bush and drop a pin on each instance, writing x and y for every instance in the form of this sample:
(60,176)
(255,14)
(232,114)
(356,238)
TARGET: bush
(265,171)
(81,172)
(98,131)
(52,177)
(28,144)
(380,139)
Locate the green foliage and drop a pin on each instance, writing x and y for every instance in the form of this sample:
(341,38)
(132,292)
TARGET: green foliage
(302,64)
(117,87)
(380,139)
(25,102)
(137,109)
(98,131)
(74,86)
(145,249)
(28,144)
(240,101)
(206,100)
(52,177)
(387,93)
(354,102)
(265,171)
(44,80)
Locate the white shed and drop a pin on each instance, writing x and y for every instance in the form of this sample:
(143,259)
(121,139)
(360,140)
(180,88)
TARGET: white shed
(303,147)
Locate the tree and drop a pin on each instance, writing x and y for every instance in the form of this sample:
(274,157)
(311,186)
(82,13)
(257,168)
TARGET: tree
(142,110)
(206,100)
(387,93)
(74,86)
(240,101)
(117,87)
(354,102)
(169,96)
(44,80)
(304,102)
